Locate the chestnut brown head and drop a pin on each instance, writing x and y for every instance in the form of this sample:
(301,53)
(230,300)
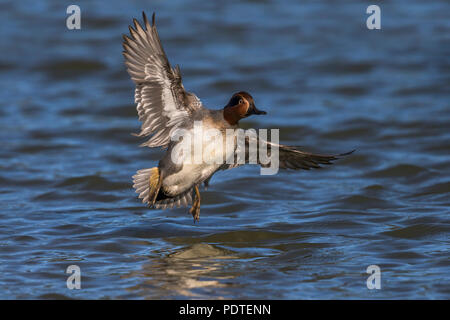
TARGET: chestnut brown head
(241,105)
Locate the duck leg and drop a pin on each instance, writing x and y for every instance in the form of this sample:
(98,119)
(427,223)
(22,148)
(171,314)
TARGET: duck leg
(195,210)
(206,183)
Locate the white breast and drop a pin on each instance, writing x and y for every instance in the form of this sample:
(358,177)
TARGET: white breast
(195,169)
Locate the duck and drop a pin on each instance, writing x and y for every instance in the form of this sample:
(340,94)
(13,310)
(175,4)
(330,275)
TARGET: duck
(165,107)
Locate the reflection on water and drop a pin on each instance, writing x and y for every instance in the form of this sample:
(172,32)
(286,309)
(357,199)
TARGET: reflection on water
(196,271)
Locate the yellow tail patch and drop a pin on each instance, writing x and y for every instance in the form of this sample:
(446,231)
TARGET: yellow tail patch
(154,185)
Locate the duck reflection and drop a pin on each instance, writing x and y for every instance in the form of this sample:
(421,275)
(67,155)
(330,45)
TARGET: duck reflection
(197,271)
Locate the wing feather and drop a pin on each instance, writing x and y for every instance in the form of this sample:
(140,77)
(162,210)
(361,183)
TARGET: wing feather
(289,157)
(162,102)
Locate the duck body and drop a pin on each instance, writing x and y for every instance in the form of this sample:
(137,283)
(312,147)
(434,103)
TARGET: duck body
(181,177)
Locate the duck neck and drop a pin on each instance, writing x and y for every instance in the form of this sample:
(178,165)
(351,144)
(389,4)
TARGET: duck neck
(232,115)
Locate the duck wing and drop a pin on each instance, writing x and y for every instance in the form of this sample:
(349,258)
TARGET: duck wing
(162,102)
(289,157)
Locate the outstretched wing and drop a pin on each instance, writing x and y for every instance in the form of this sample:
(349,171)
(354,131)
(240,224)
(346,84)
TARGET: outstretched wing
(289,157)
(162,102)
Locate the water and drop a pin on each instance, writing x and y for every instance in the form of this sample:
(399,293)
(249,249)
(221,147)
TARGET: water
(327,82)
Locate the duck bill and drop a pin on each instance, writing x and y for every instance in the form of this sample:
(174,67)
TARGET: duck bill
(254,110)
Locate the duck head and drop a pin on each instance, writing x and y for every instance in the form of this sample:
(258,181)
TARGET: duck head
(241,105)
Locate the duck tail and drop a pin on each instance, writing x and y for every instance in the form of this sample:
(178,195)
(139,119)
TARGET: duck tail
(147,183)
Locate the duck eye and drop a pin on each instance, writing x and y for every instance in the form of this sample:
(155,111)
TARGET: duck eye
(241,101)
